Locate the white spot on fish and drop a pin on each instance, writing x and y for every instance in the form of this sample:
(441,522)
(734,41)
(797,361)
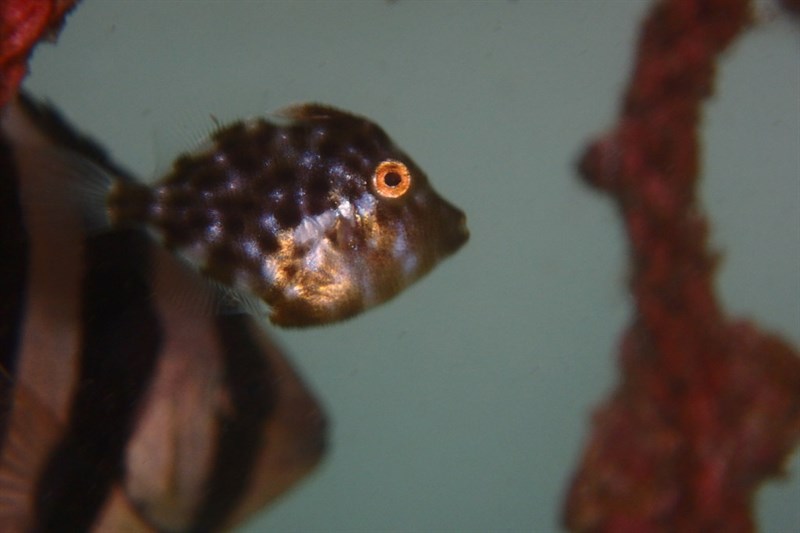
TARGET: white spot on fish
(365,205)
(345,209)
(308,159)
(268,223)
(251,249)
(314,228)
(214,231)
(269,271)
(400,246)
(410,264)
(315,258)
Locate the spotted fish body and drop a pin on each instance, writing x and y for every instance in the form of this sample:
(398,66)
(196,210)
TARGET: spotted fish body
(321,216)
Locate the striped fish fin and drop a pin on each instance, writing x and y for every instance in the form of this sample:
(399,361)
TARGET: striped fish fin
(123,408)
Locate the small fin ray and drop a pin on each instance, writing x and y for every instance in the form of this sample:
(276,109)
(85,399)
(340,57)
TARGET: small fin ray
(73,182)
(215,298)
(230,301)
(187,131)
(179,137)
(314,110)
(182,284)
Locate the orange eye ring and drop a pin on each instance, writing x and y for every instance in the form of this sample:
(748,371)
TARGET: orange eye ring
(391,179)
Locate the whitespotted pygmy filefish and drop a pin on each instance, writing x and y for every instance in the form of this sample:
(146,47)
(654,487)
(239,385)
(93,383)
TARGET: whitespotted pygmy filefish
(122,408)
(321,216)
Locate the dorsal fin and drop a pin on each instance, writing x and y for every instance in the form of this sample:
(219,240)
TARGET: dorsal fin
(316,111)
(51,123)
(73,183)
(62,169)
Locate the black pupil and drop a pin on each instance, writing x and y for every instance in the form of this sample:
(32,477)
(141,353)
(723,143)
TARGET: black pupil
(392,179)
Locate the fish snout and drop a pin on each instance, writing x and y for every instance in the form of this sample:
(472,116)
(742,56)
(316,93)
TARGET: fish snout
(453,231)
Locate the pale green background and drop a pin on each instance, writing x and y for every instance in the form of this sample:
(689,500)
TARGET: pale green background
(461,406)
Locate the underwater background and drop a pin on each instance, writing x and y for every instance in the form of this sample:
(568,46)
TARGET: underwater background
(463,405)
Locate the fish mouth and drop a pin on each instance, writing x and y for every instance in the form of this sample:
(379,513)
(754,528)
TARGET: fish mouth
(454,230)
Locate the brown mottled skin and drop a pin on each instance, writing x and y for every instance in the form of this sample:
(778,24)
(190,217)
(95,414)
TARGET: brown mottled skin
(292,212)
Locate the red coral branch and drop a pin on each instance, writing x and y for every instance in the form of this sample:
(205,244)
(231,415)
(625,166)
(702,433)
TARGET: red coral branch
(707,408)
(22,24)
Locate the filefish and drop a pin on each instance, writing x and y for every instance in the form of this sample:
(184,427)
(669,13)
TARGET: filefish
(321,216)
(121,407)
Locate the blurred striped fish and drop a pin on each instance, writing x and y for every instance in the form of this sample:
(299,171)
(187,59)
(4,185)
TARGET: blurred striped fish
(120,408)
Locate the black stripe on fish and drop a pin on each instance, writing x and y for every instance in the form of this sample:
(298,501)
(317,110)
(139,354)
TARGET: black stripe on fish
(121,340)
(13,270)
(250,382)
(13,266)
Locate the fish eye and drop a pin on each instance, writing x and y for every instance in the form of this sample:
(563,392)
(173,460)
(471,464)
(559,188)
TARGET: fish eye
(391,179)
